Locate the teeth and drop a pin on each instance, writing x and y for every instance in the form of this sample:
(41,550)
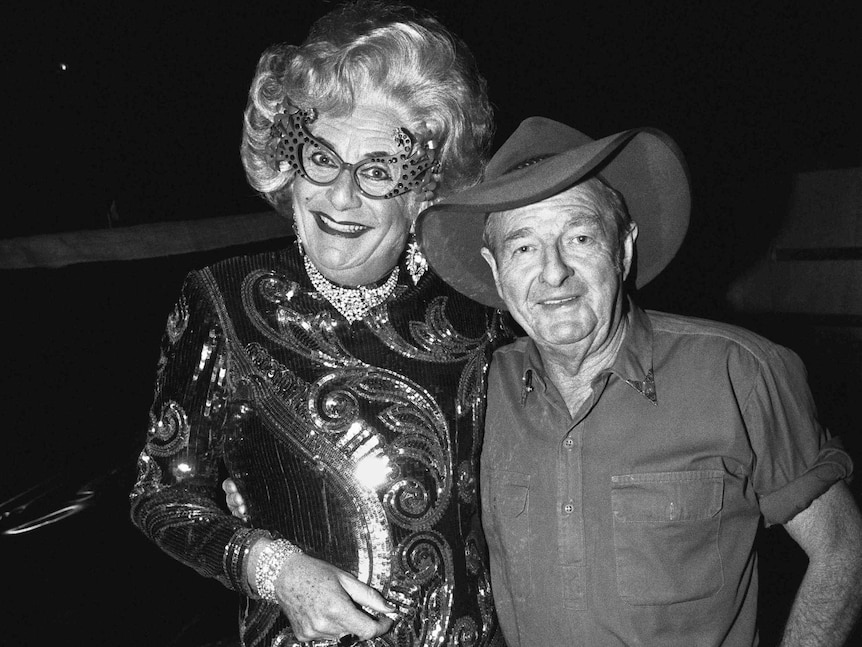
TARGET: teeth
(554,302)
(345,228)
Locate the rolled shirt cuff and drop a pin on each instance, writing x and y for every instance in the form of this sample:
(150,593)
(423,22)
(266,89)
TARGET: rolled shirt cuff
(833,464)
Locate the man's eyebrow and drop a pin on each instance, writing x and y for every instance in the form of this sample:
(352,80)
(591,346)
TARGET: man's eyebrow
(378,154)
(331,147)
(520,232)
(573,219)
(582,218)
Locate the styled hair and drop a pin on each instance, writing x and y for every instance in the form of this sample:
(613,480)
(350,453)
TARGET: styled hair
(386,52)
(610,203)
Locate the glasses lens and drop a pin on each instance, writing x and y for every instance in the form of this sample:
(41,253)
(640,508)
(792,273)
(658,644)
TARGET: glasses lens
(377,176)
(319,163)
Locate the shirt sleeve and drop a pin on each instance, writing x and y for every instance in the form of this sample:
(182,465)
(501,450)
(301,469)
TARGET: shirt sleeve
(796,460)
(176,499)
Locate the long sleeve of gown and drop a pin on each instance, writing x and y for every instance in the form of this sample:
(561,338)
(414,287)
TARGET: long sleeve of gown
(176,500)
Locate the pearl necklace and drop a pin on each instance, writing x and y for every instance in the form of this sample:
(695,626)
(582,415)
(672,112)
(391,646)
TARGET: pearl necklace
(353,303)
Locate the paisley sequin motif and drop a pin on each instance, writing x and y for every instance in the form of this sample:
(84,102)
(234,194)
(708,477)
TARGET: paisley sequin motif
(376,422)
(425,559)
(436,340)
(301,326)
(169,432)
(178,320)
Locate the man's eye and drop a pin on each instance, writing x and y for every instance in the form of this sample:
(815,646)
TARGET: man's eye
(521,249)
(322,159)
(376,173)
(582,239)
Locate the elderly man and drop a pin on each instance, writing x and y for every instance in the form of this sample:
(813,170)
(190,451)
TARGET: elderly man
(630,455)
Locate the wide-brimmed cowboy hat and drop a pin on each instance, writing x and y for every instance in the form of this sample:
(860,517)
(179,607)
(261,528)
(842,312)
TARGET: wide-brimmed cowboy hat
(542,158)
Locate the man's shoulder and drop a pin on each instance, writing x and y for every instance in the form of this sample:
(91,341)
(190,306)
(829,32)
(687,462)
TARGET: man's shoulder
(269,260)
(512,351)
(510,355)
(670,328)
(224,280)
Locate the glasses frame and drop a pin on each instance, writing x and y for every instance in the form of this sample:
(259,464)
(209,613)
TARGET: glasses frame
(290,136)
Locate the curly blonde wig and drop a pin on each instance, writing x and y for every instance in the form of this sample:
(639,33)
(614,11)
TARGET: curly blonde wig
(381,52)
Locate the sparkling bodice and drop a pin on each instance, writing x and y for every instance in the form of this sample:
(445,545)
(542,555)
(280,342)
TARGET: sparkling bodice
(357,441)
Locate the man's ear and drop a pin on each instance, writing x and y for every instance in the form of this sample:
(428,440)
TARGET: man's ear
(488,255)
(628,249)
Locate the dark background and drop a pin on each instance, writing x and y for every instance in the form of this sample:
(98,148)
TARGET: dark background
(129,113)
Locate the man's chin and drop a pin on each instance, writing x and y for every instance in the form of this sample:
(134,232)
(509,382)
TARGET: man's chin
(558,333)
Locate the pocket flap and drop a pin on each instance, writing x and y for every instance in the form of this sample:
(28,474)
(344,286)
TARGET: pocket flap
(667,496)
(511,492)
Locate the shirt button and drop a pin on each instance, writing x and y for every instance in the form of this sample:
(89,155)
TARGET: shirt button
(569,508)
(568,443)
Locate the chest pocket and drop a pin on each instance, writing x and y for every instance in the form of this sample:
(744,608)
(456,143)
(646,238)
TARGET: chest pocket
(666,532)
(508,527)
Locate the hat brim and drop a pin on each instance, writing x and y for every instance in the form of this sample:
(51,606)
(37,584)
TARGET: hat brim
(644,165)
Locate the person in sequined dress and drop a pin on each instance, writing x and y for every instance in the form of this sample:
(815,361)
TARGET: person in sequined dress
(337,382)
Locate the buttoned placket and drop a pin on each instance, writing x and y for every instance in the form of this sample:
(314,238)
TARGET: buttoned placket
(571,518)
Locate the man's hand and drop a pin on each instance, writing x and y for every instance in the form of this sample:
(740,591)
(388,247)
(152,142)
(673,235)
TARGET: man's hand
(321,601)
(234,500)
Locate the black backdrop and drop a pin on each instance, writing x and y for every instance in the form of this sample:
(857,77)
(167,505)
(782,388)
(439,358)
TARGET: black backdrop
(142,126)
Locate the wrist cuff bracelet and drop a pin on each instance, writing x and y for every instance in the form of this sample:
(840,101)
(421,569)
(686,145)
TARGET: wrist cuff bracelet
(269,564)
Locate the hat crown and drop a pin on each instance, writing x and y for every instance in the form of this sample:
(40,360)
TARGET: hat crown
(528,162)
(535,140)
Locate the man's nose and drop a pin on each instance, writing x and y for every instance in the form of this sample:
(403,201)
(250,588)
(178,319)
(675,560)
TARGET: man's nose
(343,193)
(554,268)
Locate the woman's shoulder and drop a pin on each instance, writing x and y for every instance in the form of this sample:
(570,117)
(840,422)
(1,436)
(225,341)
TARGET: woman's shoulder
(283,261)
(438,298)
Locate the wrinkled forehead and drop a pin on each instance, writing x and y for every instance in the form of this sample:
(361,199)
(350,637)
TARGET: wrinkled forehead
(364,132)
(581,203)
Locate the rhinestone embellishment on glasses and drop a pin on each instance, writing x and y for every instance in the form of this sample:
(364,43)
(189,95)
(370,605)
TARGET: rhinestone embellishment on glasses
(292,146)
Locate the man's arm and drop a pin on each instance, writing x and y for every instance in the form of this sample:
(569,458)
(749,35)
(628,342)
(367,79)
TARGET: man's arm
(830,596)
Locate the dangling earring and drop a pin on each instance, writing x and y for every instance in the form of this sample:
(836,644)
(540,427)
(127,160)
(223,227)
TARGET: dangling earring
(417,264)
(432,179)
(298,241)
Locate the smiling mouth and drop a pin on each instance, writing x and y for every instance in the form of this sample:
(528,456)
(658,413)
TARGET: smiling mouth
(335,228)
(559,302)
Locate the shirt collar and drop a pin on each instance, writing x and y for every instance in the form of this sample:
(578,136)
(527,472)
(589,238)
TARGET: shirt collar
(633,363)
(634,360)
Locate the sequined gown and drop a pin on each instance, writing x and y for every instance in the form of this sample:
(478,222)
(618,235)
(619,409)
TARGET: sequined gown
(358,442)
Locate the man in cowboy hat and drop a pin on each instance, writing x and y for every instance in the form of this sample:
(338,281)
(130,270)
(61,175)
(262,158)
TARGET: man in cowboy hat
(630,456)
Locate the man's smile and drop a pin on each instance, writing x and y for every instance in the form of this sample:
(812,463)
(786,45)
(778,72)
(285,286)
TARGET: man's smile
(335,228)
(558,301)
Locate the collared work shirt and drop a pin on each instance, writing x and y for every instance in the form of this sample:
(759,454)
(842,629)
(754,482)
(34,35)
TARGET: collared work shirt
(633,522)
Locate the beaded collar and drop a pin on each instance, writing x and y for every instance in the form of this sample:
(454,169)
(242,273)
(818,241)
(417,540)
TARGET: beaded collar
(353,303)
